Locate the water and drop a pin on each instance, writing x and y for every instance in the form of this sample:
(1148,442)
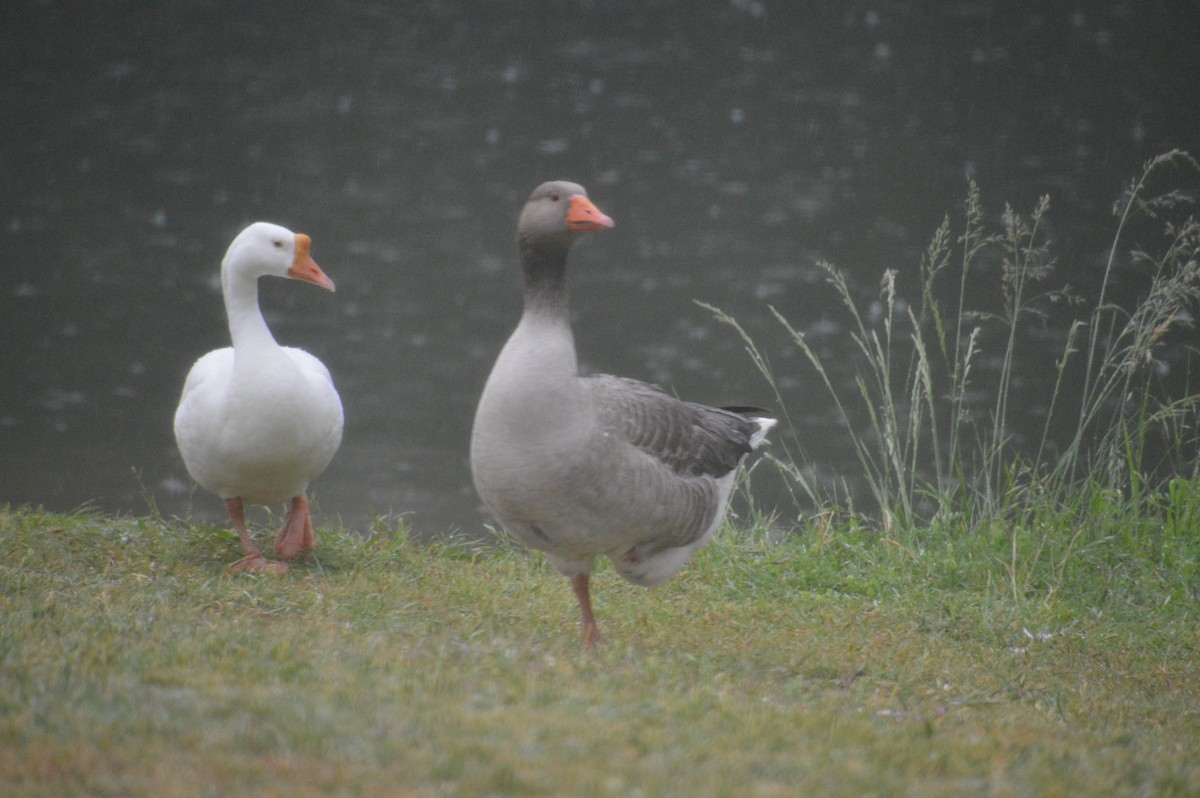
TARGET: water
(736,145)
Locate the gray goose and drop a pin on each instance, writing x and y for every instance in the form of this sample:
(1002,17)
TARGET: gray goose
(578,467)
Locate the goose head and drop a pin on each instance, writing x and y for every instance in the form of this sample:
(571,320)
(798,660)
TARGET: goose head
(557,212)
(264,249)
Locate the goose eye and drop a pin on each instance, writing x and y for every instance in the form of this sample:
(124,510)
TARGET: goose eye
(555,197)
(277,244)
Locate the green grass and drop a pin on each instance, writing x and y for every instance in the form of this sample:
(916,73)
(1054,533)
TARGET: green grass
(1009,620)
(928,409)
(1058,658)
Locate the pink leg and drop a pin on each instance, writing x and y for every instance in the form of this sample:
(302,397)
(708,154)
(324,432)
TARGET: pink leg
(252,560)
(591,633)
(296,536)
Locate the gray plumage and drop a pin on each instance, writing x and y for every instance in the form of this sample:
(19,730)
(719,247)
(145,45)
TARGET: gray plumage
(579,467)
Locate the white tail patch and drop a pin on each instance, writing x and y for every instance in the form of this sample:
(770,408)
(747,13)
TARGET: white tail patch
(764,426)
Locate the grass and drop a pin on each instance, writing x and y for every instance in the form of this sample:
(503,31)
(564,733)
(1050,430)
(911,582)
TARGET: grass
(836,663)
(1012,619)
(929,409)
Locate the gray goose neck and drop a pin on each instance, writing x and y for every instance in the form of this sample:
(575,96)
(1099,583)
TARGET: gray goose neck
(544,265)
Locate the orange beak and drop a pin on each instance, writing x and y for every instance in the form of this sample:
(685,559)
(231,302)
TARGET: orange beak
(583,216)
(305,268)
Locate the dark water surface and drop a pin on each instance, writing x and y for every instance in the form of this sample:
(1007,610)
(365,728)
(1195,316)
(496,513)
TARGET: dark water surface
(735,144)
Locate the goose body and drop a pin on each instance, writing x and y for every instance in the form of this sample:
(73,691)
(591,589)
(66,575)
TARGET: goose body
(258,421)
(586,466)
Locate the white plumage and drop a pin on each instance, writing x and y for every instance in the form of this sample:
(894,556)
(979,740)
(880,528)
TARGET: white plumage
(258,421)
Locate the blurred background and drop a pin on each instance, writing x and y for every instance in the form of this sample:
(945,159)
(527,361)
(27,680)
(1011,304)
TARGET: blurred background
(736,144)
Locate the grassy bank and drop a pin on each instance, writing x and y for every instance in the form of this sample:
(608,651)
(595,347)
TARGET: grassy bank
(1011,661)
(1010,617)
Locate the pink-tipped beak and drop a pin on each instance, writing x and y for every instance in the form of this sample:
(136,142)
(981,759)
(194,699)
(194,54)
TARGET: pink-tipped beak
(305,268)
(583,215)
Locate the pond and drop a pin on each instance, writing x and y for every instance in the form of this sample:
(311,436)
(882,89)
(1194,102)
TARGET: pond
(736,144)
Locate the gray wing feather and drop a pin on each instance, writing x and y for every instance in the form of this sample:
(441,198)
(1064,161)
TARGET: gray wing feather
(692,439)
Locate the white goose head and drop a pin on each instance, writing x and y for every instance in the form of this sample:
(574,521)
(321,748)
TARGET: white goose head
(264,249)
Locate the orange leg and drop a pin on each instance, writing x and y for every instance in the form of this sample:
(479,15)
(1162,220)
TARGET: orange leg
(296,536)
(252,560)
(591,633)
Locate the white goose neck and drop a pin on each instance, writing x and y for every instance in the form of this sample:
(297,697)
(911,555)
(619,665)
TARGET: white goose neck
(247,327)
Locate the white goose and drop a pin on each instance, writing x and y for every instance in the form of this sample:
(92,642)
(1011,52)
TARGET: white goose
(257,421)
(579,467)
